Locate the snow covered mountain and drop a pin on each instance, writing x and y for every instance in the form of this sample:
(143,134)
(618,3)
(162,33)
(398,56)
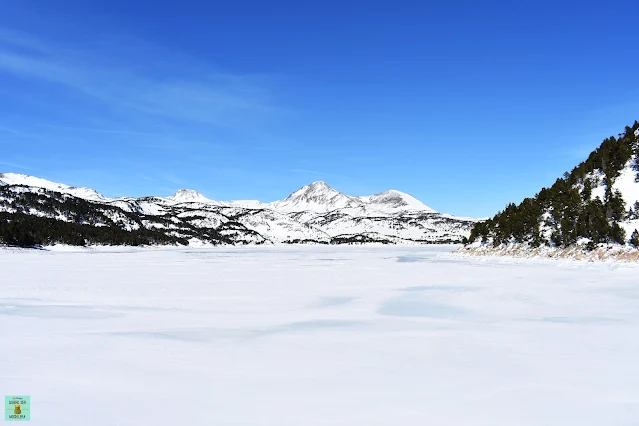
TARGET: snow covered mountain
(80,192)
(318,197)
(189,196)
(315,213)
(394,201)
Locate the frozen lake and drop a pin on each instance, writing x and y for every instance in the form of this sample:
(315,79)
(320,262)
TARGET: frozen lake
(302,336)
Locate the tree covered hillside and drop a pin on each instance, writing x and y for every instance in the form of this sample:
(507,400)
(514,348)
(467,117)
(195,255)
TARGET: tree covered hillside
(596,202)
(38,217)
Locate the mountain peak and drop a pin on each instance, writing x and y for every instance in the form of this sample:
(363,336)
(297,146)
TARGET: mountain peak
(315,187)
(317,197)
(313,190)
(395,200)
(188,196)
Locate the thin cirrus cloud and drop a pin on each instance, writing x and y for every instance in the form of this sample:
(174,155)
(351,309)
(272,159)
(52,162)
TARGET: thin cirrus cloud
(99,130)
(13,165)
(146,85)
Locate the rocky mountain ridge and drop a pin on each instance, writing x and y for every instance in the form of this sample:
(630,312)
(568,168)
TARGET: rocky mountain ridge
(315,213)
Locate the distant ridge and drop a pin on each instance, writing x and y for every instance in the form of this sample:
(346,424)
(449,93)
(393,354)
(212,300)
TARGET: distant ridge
(318,197)
(37,211)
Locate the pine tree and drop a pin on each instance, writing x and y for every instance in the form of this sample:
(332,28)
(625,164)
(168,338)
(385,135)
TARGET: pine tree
(634,239)
(586,193)
(618,234)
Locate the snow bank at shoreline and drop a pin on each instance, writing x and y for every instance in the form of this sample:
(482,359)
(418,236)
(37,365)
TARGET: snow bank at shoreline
(610,252)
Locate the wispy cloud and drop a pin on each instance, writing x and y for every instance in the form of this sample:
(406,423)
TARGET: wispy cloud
(120,108)
(94,130)
(13,165)
(136,85)
(11,131)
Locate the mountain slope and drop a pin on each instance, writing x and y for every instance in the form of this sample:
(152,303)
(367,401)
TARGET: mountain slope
(31,181)
(317,197)
(596,203)
(316,213)
(393,201)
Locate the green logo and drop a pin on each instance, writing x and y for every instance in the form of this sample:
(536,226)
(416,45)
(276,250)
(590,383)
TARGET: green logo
(17,408)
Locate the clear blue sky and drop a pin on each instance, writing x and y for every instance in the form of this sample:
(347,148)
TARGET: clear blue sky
(466,105)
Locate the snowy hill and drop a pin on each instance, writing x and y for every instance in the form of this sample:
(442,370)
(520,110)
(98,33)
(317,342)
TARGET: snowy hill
(189,196)
(316,213)
(594,207)
(393,201)
(80,192)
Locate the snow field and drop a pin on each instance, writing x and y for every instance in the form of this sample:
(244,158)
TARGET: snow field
(317,336)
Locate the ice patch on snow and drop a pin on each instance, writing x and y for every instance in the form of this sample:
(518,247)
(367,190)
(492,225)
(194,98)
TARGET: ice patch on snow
(420,307)
(55,311)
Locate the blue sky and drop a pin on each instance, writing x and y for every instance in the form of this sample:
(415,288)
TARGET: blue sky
(466,105)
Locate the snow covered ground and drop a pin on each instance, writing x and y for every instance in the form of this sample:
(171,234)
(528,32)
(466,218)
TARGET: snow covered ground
(302,336)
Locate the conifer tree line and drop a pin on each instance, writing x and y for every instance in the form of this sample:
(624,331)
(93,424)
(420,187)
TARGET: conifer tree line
(45,217)
(566,212)
(23,230)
